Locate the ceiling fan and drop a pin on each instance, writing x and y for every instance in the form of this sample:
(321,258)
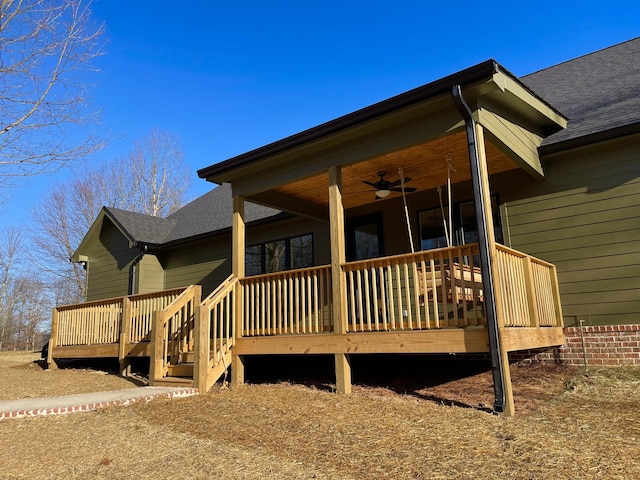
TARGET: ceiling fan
(385,187)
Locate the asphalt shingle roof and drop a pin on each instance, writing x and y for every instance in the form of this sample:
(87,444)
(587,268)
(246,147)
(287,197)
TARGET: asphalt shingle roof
(209,213)
(142,228)
(212,212)
(596,92)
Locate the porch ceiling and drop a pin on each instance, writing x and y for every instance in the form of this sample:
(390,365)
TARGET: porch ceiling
(425,164)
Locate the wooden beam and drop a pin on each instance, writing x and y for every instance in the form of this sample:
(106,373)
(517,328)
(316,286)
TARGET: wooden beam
(300,207)
(238,236)
(446,340)
(138,349)
(51,364)
(125,362)
(338,250)
(556,296)
(343,373)
(201,348)
(527,338)
(509,406)
(338,279)
(109,350)
(156,361)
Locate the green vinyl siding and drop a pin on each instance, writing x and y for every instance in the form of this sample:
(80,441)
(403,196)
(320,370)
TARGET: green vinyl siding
(585,218)
(204,262)
(207,261)
(109,265)
(150,274)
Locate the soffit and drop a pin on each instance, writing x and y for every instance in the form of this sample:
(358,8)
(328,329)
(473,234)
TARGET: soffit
(425,164)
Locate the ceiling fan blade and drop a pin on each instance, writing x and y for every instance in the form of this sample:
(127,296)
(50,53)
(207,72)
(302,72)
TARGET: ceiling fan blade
(369,183)
(406,189)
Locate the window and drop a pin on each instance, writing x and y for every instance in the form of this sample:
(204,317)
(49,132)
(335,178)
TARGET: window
(465,230)
(279,255)
(364,237)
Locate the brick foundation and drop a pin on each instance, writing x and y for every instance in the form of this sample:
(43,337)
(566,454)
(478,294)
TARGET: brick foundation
(603,345)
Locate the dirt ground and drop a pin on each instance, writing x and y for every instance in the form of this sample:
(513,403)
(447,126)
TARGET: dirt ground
(22,375)
(434,425)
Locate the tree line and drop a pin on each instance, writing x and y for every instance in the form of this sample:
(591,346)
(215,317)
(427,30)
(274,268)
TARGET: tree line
(46,49)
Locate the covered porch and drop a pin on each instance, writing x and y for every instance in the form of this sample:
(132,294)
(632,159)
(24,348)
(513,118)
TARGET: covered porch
(474,295)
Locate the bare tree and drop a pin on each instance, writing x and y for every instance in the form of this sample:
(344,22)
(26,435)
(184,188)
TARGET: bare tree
(11,243)
(153,180)
(29,312)
(46,48)
(159,175)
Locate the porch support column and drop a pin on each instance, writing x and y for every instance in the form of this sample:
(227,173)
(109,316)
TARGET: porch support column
(338,280)
(509,406)
(237,269)
(503,402)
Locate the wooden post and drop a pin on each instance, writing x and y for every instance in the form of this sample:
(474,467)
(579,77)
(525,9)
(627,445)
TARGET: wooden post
(51,364)
(509,406)
(555,288)
(338,279)
(201,360)
(125,322)
(237,268)
(156,362)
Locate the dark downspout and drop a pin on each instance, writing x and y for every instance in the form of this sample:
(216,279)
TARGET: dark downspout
(483,242)
(134,273)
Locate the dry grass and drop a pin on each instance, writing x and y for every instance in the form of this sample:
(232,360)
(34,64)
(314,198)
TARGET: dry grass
(571,426)
(23,376)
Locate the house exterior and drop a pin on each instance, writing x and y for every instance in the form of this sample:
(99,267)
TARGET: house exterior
(543,169)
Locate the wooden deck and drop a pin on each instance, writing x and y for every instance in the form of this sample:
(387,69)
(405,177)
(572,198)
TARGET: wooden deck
(427,302)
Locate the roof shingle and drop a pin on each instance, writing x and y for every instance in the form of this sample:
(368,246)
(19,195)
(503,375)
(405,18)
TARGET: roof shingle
(596,92)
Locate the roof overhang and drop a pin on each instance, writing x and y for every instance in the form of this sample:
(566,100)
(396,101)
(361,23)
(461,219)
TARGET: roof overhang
(93,234)
(419,123)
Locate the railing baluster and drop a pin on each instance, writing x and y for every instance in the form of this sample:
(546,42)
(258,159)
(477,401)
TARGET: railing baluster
(390,290)
(407,293)
(383,299)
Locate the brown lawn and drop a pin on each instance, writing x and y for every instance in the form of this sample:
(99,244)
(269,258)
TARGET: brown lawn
(569,425)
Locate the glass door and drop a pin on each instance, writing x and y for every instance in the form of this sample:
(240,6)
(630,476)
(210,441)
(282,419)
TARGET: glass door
(364,238)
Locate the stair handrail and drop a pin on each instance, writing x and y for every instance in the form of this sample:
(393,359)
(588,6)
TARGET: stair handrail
(217,312)
(220,290)
(172,331)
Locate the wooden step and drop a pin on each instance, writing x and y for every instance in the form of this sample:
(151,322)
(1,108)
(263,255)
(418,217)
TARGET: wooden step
(174,382)
(181,370)
(187,357)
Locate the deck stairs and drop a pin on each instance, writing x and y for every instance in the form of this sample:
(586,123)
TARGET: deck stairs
(181,372)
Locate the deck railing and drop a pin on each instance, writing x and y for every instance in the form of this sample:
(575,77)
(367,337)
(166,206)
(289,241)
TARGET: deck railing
(429,289)
(91,323)
(214,333)
(173,331)
(528,294)
(291,302)
(101,322)
(142,308)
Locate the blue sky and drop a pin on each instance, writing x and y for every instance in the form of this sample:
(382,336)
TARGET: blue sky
(227,77)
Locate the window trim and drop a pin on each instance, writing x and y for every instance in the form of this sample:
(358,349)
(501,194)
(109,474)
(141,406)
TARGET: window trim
(287,241)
